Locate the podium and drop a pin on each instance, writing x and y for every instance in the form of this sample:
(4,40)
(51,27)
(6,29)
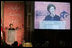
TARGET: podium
(11,36)
(52,25)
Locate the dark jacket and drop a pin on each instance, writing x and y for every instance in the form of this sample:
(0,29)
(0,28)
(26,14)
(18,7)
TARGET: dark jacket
(50,18)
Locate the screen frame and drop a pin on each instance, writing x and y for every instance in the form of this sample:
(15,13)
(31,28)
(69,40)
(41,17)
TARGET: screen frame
(52,29)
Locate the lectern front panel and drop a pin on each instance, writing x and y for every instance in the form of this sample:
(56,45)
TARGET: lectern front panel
(11,36)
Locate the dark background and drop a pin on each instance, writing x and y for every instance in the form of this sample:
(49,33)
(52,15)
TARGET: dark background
(36,35)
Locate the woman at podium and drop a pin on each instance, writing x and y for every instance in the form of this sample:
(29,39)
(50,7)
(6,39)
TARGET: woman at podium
(11,27)
(52,16)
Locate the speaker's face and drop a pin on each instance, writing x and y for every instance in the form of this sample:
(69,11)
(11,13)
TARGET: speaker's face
(52,10)
(11,26)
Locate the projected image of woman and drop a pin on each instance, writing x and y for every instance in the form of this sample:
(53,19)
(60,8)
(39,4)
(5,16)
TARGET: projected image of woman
(52,16)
